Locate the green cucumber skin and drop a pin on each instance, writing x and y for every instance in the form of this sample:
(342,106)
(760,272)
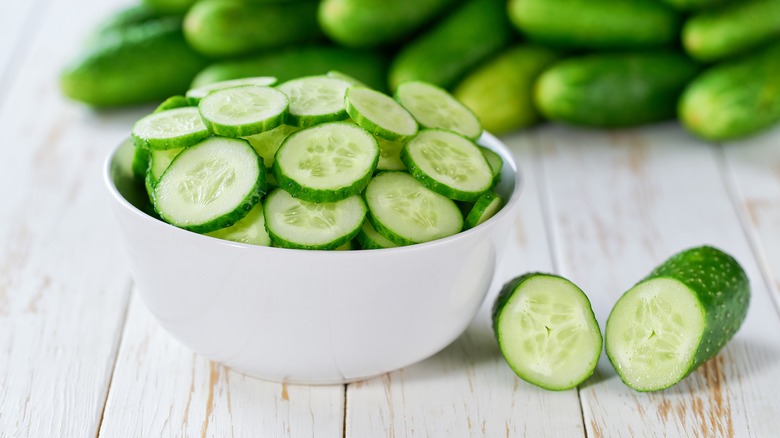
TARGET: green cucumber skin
(141,160)
(732,29)
(459,42)
(315,195)
(614,89)
(500,92)
(693,5)
(292,63)
(722,289)
(478,209)
(734,99)
(172,102)
(146,63)
(169,6)
(372,23)
(222,28)
(596,24)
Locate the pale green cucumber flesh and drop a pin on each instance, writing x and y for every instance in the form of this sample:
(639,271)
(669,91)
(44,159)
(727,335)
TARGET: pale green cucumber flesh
(434,107)
(486,207)
(250,229)
(315,100)
(194,95)
(389,155)
(171,129)
(243,111)
(267,143)
(379,114)
(160,160)
(369,238)
(495,162)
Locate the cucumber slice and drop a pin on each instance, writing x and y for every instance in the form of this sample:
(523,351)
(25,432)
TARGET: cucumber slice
(315,100)
(434,107)
(171,129)
(327,162)
(379,114)
(448,163)
(370,239)
(345,77)
(486,207)
(389,155)
(295,223)
(172,102)
(250,229)
(159,160)
(141,160)
(676,318)
(243,111)
(267,143)
(211,185)
(546,331)
(406,212)
(495,162)
(194,95)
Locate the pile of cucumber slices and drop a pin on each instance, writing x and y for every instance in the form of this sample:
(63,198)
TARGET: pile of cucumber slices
(317,162)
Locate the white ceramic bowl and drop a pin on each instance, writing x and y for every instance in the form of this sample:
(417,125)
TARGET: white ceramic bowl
(310,317)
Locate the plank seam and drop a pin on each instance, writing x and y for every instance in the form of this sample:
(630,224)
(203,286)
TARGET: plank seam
(344,417)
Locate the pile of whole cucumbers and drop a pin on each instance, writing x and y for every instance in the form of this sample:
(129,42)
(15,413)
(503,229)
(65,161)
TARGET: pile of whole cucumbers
(713,64)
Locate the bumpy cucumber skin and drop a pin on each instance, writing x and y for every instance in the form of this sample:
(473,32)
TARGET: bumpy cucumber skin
(220,28)
(292,63)
(459,42)
(722,289)
(735,99)
(146,63)
(596,24)
(732,29)
(372,23)
(614,89)
(501,92)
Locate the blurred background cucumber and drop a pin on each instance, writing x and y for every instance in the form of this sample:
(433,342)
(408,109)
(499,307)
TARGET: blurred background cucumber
(713,64)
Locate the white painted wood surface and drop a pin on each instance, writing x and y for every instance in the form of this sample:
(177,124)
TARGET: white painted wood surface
(80,355)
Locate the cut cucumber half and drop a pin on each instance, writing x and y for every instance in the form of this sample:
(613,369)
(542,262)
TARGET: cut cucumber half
(267,143)
(406,212)
(448,163)
(172,102)
(243,111)
(250,229)
(194,95)
(171,129)
(327,162)
(315,100)
(494,161)
(211,185)
(379,114)
(389,155)
(434,107)
(546,331)
(676,318)
(486,207)
(295,223)
(370,239)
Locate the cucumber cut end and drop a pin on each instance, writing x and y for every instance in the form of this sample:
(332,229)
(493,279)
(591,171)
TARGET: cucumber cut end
(653,334)
(547,332)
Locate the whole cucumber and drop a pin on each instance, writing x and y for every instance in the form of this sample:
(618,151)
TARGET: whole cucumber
(500,92)
(222,28)
(733,29)
(736,98)
(459,42)
(692,5)
(369,67)
(169,6)
(596,24)
(614,89)
(144,63)
(371,23)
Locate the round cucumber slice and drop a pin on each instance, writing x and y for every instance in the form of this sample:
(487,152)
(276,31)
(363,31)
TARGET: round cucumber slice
(267,143)
(159,160)
(678,317)
(448,163)
(315,100)
(194,95)
(486,207)
(171,129)
(434,107)
(404,211)
(250,229)
(327,162)
(370,239)
(243,111)
(211,185)
(295,223)
(379,114)
(546,331)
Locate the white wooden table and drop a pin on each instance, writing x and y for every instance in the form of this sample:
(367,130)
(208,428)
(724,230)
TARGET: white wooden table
(80,356)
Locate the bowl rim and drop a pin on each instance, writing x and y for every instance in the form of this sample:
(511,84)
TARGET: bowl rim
(491,140)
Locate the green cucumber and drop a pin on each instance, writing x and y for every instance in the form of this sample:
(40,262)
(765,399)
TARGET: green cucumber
(495,161)
(315,100)
(172,102)
(485,207)
(734,99)
(250,229)
(434,107)
(614,89)
(596,24)
(676,318)
(171,129)
(389,155)
(459,42)
(379,114)
(243,111)
(370,239)
(267,143)
(169,6)
(221,28)
(371,23)
(692,5)
(547,331)
(732,29)
(121,21)
(290,63)
(148,62)
(194,95)
(500,92)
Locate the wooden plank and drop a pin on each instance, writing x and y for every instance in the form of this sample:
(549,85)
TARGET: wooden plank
(162,389)
(63,288)
(18,26)
(622,203)
(467,389)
